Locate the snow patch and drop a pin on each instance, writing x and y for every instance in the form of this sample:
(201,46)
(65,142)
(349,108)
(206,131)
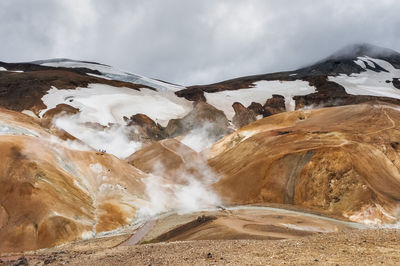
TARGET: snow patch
(3,69)
(247,134)
(30,113)
(262,91)
(370,82)
(104,104)
(108,72)
(361,63)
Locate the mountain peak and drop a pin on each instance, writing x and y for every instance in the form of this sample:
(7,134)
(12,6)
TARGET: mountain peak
(353,51)
(342,61)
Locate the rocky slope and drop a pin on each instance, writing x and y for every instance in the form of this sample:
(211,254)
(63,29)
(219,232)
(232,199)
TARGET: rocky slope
(54,191)
(340,160)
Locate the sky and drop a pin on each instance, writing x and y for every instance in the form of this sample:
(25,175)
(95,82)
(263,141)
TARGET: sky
(190,41)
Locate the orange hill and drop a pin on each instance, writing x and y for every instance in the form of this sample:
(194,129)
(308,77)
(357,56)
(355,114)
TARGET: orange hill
(341,161)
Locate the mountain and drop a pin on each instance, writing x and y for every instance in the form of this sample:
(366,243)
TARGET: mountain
(354,74)
(91,151)
(342,161)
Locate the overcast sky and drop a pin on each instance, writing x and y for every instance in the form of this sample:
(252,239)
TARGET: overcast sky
(193,41)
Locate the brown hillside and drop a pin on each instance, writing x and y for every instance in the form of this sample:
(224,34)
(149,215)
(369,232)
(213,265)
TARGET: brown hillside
(343,161)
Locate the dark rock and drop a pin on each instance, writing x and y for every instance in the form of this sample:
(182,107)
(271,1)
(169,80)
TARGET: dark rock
(257,108)
(395,145)
(274,105)
(21,261)
(147,127)
(243,116)
(203,115)
(48,261)
(396,83)
(192,94)
(284,132)
(60,109)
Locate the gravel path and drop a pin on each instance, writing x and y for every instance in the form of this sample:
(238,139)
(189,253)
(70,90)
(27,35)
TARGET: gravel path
(360,247)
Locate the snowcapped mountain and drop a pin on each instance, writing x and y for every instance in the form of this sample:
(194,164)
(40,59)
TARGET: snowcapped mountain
(107,97)
(110,149)
(351,75)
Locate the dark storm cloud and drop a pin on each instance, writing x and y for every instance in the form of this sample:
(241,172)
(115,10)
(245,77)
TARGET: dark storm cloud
(193,41)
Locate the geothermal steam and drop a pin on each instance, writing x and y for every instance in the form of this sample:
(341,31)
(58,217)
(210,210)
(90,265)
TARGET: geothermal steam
(113,139)
(201,138)
(189,189)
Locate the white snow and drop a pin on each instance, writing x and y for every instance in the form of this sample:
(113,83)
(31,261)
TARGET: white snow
(108,72)
(361,63)
(98,76)
(106,104)
(29,112)
(368,62)
(79,64)
(17,71)
(262,91)
(370,82)
(247,134)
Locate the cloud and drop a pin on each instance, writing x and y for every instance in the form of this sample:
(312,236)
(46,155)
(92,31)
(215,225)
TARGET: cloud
(193,42)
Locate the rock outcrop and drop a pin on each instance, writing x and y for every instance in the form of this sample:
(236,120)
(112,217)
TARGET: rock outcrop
(202,114)
(147,128)
(274,105)
(168,158)
(243,116)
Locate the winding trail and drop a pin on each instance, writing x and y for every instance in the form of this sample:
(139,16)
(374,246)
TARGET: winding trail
(390,127)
